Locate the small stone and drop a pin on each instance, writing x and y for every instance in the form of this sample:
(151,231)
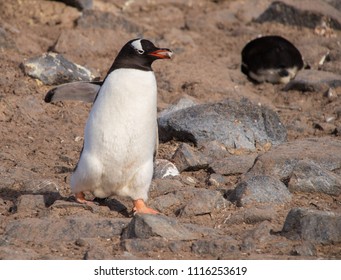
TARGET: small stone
(233,165)
(188,159)
(164,168)
(52,68)
(313,225)
(305,249)
(190,202)
(147,226)
(260,189)
(217,180)
(203,202)
(164,186)
(309,177)
(213,150)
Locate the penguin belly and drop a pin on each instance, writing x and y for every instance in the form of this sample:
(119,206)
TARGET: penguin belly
(120,137)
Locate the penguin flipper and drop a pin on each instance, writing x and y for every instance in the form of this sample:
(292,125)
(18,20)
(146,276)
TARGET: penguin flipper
(79,91)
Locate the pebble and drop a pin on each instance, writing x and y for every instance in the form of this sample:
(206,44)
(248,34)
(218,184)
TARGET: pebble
(164,168)
(260,189)
(187,158)
(233,164)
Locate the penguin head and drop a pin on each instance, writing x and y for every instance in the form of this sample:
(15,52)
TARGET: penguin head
(140,54)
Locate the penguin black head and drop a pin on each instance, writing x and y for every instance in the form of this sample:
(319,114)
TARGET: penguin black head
(139,54)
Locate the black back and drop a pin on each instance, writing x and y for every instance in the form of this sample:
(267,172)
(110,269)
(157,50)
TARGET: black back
(270,52)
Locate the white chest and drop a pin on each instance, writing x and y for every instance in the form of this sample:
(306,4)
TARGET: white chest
(122,120)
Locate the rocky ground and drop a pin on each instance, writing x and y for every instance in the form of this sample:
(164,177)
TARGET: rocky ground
(244,171)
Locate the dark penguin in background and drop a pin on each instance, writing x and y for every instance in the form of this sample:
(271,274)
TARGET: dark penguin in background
(271,59)
(120,136)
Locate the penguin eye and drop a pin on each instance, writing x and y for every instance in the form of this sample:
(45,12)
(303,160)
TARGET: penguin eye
(140,51)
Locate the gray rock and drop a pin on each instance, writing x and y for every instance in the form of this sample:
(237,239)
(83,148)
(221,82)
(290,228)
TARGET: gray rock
(215,247)
(260,234)
(147,226)
(98,251)
(217,180)
(79,4)
(183,103)
(165,186)
(107,20)
(260,189)
(313,225)
(188,159)
(306,249)
(234,124)
(203,202)
(309,177)
(301,13)
(52,69)
(190,201)
(67,229)
(213,150)
(233,164)
(137,245)
(164,168)
(280,161)
(252,215)
(314,80)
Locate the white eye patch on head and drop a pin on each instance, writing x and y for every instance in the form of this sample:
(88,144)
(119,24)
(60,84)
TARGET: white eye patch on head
(138,46)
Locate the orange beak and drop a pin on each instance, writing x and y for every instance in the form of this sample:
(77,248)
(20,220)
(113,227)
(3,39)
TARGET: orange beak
(162,53)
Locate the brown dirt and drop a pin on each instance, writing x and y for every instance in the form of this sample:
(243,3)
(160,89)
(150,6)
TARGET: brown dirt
(42,141)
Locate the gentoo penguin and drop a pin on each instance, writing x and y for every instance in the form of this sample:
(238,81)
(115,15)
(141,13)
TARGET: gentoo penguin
(120,135)
(271,59)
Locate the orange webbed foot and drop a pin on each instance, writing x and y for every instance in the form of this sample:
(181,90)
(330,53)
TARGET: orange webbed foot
(141,208)
(80,198)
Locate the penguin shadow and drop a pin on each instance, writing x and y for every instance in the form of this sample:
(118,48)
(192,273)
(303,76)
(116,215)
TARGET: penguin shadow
(50,197)
(112,203)
(7,194)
